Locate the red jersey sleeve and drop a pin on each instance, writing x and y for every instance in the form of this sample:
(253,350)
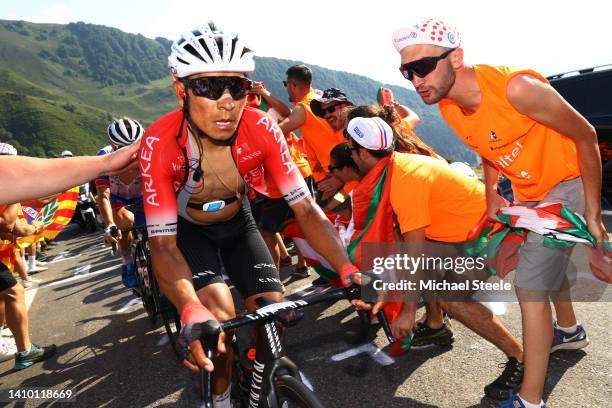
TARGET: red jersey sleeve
(158,153)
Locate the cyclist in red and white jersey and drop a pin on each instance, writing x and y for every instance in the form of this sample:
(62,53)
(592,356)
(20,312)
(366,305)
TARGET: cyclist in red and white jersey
(195,165)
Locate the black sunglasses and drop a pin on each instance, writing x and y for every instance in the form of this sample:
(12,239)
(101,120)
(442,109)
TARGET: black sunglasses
(423,66)
(330,109)
(332,168)
(285,83)
(213,87)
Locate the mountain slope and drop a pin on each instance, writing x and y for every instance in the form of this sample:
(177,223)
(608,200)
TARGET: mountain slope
(81,75)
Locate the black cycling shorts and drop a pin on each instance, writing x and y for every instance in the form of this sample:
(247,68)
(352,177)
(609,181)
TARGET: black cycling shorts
(271,213)
(238,244)
(7,280)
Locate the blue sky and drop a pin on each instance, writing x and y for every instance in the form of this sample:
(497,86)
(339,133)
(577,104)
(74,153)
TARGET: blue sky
(548,36)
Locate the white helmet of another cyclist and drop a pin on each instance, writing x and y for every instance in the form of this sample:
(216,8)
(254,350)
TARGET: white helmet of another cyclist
(124,132)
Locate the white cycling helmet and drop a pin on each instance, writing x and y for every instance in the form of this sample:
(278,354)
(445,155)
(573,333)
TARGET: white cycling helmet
(67,153)
(208,49)
(124,132)
(7,150)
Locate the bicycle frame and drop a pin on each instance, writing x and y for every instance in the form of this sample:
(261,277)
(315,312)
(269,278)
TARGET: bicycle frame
(270,354)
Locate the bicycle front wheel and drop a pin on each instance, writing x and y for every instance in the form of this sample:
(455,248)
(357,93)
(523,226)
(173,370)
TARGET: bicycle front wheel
(292,393)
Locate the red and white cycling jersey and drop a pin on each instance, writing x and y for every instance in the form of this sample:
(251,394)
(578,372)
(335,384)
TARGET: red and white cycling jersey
(260,151)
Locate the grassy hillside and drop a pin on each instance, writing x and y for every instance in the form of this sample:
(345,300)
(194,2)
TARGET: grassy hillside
(67,81)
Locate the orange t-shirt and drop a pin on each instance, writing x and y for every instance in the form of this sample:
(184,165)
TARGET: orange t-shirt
(426,193)
(534,157)
(298,154)
(319,139)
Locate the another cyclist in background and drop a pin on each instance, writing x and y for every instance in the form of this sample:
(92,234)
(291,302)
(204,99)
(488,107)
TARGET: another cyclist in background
(120,196)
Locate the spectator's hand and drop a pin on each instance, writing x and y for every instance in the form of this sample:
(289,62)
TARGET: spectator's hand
(258,89)
(597,229)
(121,160)
(38,227)
(494,203)
(330,184)
(404,323)
(193,314)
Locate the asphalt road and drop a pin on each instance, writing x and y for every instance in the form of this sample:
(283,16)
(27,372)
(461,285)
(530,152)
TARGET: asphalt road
(111,355)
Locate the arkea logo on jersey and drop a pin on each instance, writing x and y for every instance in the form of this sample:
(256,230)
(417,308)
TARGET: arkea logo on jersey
(146,153)
(279,137)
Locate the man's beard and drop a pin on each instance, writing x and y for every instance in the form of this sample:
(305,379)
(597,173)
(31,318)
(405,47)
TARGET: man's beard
(446,84)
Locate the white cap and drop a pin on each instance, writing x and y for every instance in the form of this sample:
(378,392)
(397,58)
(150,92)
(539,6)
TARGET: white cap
(463,168)
(430,32)
(371,133)
(7,150)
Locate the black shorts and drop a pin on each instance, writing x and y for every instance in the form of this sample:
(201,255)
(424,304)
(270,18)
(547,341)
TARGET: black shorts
(271,213)
(238,244)
(7,280)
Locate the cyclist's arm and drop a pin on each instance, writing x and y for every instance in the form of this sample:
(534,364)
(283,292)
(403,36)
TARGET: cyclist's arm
(172,271)
(21,175)
(294,120)
(104,204)
(161,213)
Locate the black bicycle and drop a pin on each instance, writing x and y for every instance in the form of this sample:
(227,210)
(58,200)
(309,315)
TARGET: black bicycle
(275,381)
(147,288)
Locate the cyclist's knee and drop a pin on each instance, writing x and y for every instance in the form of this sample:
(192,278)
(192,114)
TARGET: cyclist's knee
(218,299)
(123,218)
(251,301)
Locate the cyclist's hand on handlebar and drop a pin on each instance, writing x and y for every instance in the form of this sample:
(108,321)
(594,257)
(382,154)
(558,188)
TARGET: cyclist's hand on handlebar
(197,357)
(109,238)
(192,316)
(349,274)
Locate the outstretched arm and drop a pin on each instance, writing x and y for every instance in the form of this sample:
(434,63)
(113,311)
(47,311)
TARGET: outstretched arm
(26,178)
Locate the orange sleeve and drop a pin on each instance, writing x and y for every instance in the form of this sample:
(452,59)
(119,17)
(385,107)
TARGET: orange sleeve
(411,210)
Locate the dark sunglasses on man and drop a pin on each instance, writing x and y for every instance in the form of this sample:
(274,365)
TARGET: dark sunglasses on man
(213,87)
(330,109)
(422,67)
